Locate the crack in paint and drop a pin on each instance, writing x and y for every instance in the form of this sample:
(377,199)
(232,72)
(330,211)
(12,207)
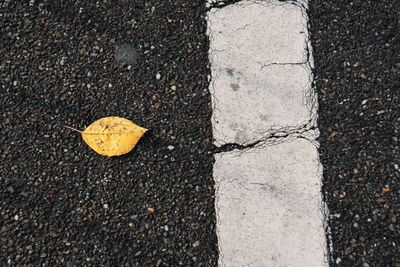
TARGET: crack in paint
(215,4)
(220,4)
(281,64)
(273,138)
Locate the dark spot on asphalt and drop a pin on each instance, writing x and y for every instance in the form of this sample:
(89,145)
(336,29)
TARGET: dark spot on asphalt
(126,55)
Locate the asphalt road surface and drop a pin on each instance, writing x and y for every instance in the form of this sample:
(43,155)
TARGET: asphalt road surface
(61,203)
(72,62)
(356,72)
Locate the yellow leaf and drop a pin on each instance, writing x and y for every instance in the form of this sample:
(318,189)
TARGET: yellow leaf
(112,136)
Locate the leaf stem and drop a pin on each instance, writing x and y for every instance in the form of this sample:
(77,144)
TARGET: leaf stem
(71,128)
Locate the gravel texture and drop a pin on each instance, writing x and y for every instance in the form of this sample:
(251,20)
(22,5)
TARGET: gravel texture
(60,202)
(356,56)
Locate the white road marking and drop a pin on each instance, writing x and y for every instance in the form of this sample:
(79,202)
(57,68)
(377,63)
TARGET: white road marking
(268,200)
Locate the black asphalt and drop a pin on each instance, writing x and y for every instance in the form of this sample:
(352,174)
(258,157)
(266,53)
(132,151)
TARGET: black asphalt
(61,203)
(62,63)
(356,46)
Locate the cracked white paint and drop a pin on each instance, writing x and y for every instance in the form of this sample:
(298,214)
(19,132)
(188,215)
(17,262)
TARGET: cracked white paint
(268,213)
(268,200)
(254,45)
(275,102)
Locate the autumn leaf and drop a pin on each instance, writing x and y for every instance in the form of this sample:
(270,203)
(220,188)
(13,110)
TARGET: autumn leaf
(112,136)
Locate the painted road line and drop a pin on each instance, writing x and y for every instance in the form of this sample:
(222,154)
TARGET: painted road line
(268,200)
